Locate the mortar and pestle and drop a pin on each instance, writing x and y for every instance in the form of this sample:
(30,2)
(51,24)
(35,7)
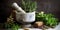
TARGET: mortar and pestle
(22,16)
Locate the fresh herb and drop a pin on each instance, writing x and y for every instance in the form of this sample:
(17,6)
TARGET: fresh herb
(28,5)
(10,24)
(48,19)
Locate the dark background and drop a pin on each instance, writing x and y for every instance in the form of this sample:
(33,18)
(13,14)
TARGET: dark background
(48,6)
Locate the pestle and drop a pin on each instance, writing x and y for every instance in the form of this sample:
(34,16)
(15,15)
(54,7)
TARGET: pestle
(15,5)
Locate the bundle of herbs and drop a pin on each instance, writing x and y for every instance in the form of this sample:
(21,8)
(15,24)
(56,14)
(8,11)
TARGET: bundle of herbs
(28,5)
(10,24)
(48,19)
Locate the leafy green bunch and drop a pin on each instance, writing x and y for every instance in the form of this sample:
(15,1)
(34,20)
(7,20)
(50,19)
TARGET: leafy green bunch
(28,5)
(48,19)
(10,24)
